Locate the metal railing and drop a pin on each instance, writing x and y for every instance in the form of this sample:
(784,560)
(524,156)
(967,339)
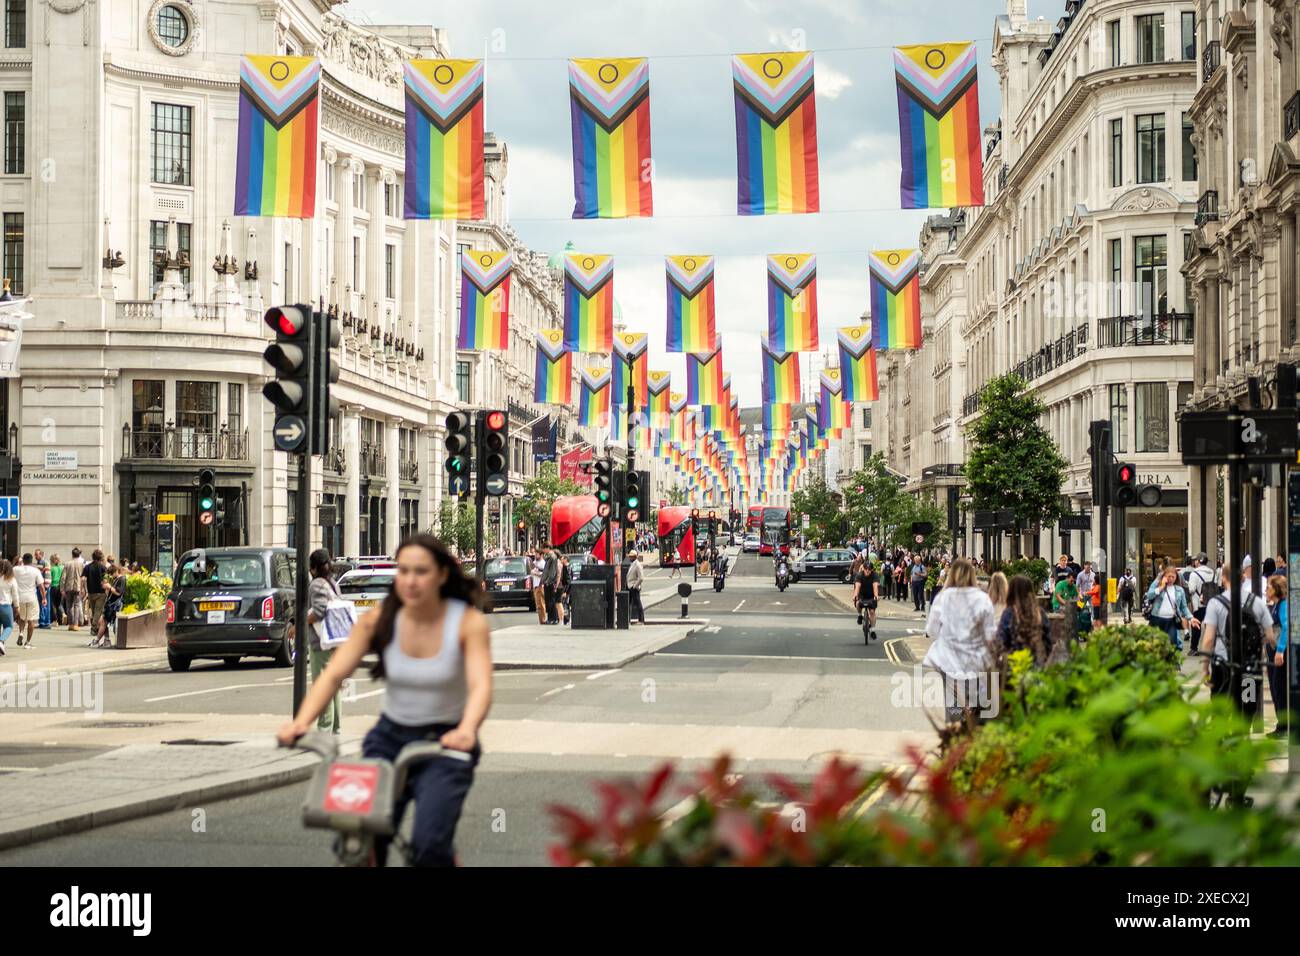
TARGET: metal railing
(970,404)
(1207,207)
(336,459)
(1291,116)
(1210,59)
(408,469)
(374,462)
(1174,328)
(186,444)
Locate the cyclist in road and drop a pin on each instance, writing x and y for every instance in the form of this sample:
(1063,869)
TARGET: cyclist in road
(866,595)
(431,640)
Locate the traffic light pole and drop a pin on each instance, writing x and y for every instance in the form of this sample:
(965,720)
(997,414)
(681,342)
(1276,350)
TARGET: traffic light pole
(302,523)
(480,493)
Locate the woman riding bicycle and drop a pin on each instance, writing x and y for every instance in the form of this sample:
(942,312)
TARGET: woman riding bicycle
(432,643)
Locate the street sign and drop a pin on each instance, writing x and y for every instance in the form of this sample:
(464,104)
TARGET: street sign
(458,485)
(1260,434)
(1074,522)
(290,432)
(166,560)
(9,508)
(495,485)
(806,523)
(920,539)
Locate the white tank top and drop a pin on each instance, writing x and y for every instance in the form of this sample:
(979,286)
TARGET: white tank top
(426,690)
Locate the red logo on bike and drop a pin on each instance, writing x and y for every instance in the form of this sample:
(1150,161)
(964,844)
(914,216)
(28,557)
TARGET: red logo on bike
(351,788)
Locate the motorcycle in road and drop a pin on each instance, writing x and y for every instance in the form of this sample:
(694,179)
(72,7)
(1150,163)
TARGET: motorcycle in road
(720,573)
(782,573)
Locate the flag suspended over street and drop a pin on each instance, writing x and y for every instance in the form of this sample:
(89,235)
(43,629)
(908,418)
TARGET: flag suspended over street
(704,378)
(792,302)
(896,298)
(277,153)
(776,133)
(588,303)
(444,140)
(780,376)
(484,299)
(612,168)
(857,364)
(691,312)
(593,403)
(660,385)
(777,418)
(834,411)
(939,125)
(630,366)
(553,377)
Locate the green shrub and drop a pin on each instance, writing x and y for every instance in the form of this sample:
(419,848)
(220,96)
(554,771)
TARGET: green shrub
(1036,569)
(145,591)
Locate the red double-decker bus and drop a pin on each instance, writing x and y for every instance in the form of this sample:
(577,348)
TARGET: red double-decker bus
(775,531)
(675,537)
(576,528)
(755,520)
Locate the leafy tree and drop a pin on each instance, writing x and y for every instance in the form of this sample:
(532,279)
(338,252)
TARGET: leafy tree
(911,509)
(456,526)
(540,492)
(872,499)
(677,496)
(1013,461)
(825,517)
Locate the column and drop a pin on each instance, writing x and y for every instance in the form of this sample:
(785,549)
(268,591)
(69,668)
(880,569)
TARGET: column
(375,250)
(1286,277)
(352,507)
(393,514)
(343,237)
(1213,336)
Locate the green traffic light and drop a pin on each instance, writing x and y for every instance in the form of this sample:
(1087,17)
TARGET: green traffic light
(205,504)
(633,502)
(603,496)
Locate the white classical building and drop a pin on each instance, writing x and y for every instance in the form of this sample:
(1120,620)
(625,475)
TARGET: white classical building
(1070,268)
(144,361)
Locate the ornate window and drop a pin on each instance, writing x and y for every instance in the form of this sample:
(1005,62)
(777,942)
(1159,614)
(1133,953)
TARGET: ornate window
(172,26)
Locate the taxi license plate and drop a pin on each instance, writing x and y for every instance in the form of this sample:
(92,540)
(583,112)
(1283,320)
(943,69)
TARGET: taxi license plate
(504,586)
(216,605)
(216,617)
(365,602)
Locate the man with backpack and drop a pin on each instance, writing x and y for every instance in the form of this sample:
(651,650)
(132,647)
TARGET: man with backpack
(1256,631)
(1127,588)
(1195,577)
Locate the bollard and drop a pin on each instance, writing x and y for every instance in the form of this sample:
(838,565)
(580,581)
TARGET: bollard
(684,592)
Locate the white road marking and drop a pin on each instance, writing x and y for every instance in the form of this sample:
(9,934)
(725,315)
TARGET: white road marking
(712,629)
(777,657)
(372,693)
(558,690)
(210,690)
(19,769)
(600,674)
(738,606)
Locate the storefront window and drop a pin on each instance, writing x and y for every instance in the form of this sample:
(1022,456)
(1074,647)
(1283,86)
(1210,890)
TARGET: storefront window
(1119,418)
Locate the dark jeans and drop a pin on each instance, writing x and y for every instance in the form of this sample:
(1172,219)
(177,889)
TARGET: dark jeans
(634,605)
(439,787)
(548,598)
(1170,626)
(56,605)
(918,595)
(1277,689)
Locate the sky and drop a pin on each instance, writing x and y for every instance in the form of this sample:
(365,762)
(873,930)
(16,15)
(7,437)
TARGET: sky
(690,43)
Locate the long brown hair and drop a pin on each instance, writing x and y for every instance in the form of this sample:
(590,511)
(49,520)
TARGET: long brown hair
(1026,616)
(458,587)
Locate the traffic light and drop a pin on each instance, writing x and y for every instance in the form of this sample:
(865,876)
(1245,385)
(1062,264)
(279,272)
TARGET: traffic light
(695,521)
(494,466)
(219,512)
(325,329)
(604,487)
(1100,453)
(632,497)
(458,445)
(290,356)
(207,496)
(713,523)
(136,512)
(1123,486)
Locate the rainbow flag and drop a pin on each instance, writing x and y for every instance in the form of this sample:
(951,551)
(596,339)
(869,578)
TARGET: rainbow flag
(275,165)
(692,321)
(593,403)
(660,385)
(553,378)
(896,299)
(612,169)
(776,133)
(777,418)
(484,299)
(444,140)
(939,125)
(792,303)
(780,376)
(857,364)
(631,363)
(588,303)
(834,410)
(704,377)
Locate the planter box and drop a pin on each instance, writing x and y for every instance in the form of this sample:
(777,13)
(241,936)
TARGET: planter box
(142,629)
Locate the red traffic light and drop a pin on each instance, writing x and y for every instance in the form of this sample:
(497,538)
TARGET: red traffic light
(695,512)
(496,420)
(287,320)
(1125,473)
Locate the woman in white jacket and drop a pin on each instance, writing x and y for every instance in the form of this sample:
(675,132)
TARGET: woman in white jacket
(962,626)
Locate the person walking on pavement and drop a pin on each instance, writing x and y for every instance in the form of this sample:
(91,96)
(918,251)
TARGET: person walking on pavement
(1024,625)
(74,590)
(1275,651)
(95,594)
(56,591)
(919,574)
(635,578)
(115,593)
(535,582)
(566,584)
(30,585)
(1169,606)
(434,655)
(1084,581)
(8,602)
(962,628)
(550,582)
(320,592)
(1255,617)
(1126,590)
(43,566)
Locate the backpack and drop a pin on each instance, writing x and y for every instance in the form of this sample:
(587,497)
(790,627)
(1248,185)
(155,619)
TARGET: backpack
(1252,636)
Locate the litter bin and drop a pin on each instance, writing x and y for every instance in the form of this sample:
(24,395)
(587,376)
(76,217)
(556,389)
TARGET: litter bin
(587,604)
(621,610)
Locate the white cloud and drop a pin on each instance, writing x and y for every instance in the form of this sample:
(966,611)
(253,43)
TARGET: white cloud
(831,82)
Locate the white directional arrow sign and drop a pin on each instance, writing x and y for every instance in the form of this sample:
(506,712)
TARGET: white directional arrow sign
(290,432)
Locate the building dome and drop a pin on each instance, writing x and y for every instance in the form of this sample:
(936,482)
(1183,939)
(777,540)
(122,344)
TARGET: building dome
(557,261)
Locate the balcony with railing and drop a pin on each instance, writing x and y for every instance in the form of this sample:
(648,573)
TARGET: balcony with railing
(173,443)
(970,404)
(408,469)
(1207,207)
(1123,331)
(1210,59)
(1291,116)
(374,463)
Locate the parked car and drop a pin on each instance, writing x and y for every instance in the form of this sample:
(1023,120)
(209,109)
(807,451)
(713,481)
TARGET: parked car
(228,603)
(823,565)
(506,581)
(366,587)
(752,542)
